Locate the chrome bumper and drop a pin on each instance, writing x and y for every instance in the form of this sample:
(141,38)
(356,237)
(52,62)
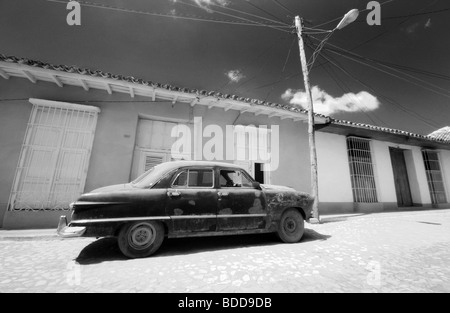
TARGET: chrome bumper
(66,231)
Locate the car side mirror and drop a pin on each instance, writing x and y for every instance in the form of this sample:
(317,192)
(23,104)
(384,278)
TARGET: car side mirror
(257,185)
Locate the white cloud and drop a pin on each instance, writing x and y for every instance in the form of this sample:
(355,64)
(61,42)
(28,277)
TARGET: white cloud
(205,4)
(235,76)
(329,105)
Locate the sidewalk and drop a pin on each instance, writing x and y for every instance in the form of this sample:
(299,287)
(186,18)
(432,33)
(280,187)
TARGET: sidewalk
(33,234)
(46,234)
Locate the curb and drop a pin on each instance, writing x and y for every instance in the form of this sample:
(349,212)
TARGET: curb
(24,235)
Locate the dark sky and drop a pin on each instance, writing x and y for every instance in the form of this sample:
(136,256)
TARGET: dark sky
(200,54)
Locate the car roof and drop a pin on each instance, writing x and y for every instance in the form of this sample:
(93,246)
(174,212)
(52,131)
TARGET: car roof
(179,164)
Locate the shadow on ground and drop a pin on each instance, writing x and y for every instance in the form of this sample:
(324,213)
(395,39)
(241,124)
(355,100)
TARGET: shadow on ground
(107,250)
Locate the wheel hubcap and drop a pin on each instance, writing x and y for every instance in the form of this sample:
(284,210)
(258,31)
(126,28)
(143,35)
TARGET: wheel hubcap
(141,236)
(290,225)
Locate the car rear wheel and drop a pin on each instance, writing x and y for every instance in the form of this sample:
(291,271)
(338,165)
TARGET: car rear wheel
(141,239)
(292,226)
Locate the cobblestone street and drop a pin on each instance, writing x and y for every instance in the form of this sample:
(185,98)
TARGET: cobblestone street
(389,252)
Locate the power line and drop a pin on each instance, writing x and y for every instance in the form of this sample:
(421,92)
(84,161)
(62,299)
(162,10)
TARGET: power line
(341,84)
(362,60)
(416,14)
(265,11)
(402,67)
(393,69)
(391,74)
(172,16)
(233,10)
(275,43)
(341,17)
(277,27)
(283,7)
(378,94)
(390,29)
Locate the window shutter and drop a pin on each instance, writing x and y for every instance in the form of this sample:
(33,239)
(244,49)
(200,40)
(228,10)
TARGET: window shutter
(152,161)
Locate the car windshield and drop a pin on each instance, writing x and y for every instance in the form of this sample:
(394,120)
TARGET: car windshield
(152,176)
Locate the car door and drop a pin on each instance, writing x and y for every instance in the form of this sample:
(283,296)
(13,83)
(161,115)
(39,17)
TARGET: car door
(241,205)
(192,201)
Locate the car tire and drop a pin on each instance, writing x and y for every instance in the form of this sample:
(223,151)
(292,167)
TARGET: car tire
(291,227)
(141,239)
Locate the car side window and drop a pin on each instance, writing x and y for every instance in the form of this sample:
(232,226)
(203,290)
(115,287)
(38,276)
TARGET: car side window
(194,179)
(236,179)
(181,180)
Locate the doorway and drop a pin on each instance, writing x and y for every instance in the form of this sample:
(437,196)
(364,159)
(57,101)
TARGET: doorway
(402,186)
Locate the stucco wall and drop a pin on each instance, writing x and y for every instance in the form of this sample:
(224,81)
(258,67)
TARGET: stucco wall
(335,186)
(335,189)
(14,117)
(445,163)
(385,173)
(114,142)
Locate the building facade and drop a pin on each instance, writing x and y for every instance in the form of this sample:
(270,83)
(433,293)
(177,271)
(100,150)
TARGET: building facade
(65,131)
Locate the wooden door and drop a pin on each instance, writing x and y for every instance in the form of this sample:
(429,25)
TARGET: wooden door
(402,186)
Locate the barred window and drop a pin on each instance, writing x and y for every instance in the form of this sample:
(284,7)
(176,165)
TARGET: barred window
(361,170)
(434,176)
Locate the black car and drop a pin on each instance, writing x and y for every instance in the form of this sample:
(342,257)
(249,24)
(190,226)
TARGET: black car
(187,199)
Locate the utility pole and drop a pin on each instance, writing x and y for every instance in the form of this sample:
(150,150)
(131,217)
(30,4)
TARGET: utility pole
(311,122)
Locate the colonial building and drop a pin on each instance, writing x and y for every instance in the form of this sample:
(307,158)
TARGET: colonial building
(66,130)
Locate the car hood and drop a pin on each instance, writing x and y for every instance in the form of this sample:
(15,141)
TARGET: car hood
(120,187)
(279,188)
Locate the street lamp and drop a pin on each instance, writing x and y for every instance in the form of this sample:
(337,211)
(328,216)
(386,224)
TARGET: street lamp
(349,18)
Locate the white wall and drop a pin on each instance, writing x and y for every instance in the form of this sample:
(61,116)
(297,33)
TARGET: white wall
(334,172)
(445,163)
(385,174)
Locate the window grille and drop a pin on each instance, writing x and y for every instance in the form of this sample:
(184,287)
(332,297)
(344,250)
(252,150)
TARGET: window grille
(434,177)
(55,156)
(361,170)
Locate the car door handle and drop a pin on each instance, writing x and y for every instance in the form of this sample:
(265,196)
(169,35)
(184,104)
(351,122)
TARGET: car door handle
(174,194)
(223,194)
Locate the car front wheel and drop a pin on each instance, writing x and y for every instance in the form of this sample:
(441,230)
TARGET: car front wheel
(291,227)
(141,239)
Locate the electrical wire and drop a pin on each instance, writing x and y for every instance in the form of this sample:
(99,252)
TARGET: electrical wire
(172,16)
(365,61)
(390,29)
(341,84)
(233,10)
(391,74)
(416,14)
(341,17)
(241,18)
(284,68)
(265,11)
(283,7)
(271,47)
(396,70)
(377,93)
(319,48)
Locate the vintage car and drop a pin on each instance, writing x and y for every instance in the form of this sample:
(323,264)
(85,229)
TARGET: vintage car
(187,199)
